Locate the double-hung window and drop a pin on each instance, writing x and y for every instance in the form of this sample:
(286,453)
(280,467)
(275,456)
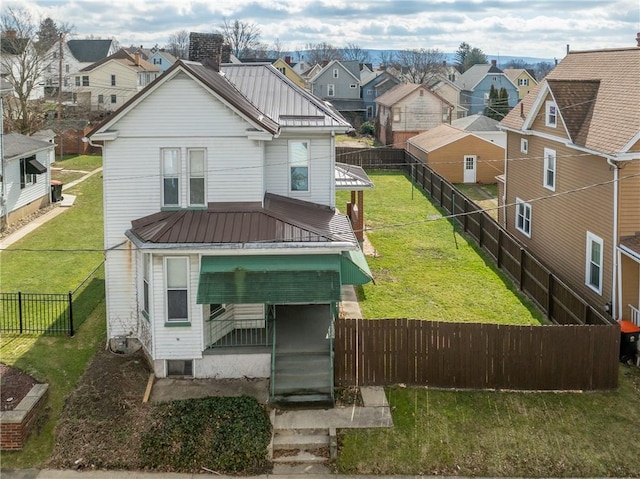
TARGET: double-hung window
(298,165)
(551,114)
(85,80)
(113,80)
(177,281)
(146,278)
(331,89)
(335,73)
(197,179)
(549,180)
(594,262)
(524,145)
(170,177)
(397,116)
(523,217)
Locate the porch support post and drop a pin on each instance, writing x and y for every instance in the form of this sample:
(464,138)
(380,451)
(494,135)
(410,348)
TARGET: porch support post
(359,226)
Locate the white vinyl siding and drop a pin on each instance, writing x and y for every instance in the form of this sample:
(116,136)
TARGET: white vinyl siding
(549,180)
(523,217)
(594,262)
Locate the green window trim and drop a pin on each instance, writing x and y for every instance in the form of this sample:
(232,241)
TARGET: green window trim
(177,324)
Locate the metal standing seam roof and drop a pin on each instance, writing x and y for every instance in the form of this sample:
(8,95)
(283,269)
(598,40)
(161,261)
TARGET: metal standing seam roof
(351,177)
(613,117)
(279,98)
(280,220)
(15,145)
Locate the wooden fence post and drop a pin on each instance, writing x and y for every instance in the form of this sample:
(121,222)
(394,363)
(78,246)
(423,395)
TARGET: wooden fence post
(550,297)
(499,258)
(522,271)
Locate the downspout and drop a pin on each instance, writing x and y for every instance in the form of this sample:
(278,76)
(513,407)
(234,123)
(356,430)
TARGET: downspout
(616,293)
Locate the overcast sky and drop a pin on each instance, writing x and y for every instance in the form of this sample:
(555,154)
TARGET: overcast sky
(533,28)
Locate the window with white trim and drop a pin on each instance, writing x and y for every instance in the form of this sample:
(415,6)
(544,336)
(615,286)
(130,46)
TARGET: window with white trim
(549,180)
(298,165)
(113,80)
(335,73)
(594,262)
(331,89)
(114,99)
(523,82)
(551,114)
(524,145)
(197,182)
(170,176)
(397,114)
(177,281)
(146,279)
(523,217)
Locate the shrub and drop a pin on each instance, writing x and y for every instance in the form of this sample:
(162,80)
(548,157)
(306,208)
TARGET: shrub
(368,128)
(224,434)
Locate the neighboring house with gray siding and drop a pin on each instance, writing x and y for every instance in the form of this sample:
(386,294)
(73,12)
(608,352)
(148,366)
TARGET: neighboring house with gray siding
(475,85)
(339,83)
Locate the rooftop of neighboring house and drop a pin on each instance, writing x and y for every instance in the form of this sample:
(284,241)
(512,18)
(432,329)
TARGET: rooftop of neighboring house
(438,137)
(127,59)
(474,75)
(400,91)
(477,122)
(89,51)
(165,54)
(597,94)
(15,145)
(514,73)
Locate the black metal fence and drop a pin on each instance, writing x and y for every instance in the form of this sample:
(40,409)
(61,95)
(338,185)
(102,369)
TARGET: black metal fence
(47,313)
(51,313)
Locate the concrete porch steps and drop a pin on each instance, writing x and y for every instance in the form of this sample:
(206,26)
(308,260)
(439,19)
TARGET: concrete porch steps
(302,446)
(303,377)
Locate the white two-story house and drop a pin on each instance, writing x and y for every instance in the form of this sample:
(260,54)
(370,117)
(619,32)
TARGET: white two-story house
(225,255)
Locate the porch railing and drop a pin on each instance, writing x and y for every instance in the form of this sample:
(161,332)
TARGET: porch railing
(635,315)
(240,332)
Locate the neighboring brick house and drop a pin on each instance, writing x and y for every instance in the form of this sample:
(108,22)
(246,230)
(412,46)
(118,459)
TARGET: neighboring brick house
(571,190)
(409,109)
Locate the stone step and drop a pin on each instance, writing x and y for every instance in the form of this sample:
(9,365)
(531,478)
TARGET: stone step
(298,400)
(307,442)
(286,469)
(304,457)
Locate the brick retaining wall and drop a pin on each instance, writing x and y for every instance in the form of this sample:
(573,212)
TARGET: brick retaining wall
(15,425)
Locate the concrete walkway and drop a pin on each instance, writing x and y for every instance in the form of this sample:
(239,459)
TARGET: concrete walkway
(68,201)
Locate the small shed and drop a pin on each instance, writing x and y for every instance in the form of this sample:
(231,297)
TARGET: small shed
(457,155)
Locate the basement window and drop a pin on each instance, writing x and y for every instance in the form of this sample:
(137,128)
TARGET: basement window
(180,368)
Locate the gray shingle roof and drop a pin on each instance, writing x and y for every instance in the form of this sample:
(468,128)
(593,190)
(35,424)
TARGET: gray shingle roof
(89,51)
(279,98)
(469,79)
(15,145)
(476,123)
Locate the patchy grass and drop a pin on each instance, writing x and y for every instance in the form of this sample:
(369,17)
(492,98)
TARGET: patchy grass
(79,162)
(423,269)
(61,253)
(502,434)
(485,196)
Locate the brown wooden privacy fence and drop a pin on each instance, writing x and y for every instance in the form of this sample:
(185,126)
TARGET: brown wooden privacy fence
(475,356)
(372,158)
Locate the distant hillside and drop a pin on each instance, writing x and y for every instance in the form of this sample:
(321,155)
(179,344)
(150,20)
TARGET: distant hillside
(450,57)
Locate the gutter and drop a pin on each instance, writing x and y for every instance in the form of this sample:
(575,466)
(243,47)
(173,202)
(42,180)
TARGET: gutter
(616,292)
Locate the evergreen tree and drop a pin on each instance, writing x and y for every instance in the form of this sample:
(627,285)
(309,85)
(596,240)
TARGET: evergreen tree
(492,103)
(503,103)
(48,34)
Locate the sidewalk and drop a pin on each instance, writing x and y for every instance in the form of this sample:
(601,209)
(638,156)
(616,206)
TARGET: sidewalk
(40,220)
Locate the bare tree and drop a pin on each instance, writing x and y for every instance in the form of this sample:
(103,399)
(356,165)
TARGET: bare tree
(385,57)
(354,51)
(23,69)
(178,44)
(319,52)
(542,69)
(420,65)
(278,49)
(242,37)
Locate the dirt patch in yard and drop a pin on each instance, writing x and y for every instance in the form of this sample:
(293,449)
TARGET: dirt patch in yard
(14,386)
(104,418)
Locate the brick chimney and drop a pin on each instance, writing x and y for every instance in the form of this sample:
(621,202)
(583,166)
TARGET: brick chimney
(494,63)
(10,34)
(136,59)
(287,60)
(325,63)
(638,38)
(208,49)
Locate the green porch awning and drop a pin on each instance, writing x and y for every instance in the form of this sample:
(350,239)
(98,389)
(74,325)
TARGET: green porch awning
(277,279)
(354,268)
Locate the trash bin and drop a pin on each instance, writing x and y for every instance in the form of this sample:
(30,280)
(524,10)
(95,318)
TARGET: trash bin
(630,335)
(56,191)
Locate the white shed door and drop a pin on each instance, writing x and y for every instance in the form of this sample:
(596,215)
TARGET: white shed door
(469,169)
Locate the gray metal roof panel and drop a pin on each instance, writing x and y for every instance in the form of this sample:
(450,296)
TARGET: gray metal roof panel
(279,98)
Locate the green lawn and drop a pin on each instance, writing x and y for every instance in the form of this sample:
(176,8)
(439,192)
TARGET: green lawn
(56,258)
(79,162)
(423,269)
(502,434)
